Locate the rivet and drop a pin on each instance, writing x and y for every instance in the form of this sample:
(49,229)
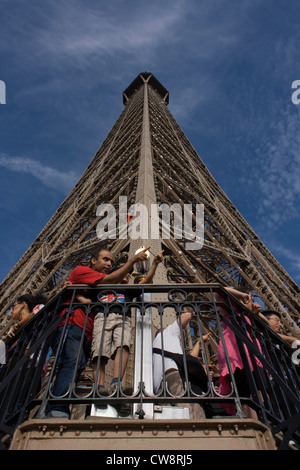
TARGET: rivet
(206,432)
(77,433)
(103,433)
(154,432)
(180,432)
(129,432)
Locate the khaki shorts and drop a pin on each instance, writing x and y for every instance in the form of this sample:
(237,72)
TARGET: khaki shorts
(110,328)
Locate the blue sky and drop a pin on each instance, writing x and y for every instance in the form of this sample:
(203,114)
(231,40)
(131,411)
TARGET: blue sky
(228,65)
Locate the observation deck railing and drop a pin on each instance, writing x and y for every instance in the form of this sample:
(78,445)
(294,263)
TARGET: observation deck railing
(28,374)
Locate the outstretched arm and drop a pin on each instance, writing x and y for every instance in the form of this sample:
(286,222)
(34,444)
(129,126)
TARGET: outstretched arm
(241,296)
(117,276)
(82,299)
(245,299)
(196,349)
(184,319)
(148,279)
(288,339)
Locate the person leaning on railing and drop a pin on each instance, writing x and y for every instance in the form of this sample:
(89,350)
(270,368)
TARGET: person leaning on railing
(235,358)
(275,323)
(168,343)
(24,308)
(98,272)
(113,332)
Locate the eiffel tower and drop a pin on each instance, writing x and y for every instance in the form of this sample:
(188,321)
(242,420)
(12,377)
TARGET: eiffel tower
(147,159)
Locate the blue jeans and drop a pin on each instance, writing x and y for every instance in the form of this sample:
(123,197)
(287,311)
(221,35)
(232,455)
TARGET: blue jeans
(66,363)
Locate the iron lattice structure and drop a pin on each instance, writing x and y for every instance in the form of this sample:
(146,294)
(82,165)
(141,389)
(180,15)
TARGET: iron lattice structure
(148,158)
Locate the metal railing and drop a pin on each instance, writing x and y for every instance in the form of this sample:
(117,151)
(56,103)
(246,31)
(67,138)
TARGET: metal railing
(32,360)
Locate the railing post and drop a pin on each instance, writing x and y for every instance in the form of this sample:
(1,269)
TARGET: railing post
(143,377)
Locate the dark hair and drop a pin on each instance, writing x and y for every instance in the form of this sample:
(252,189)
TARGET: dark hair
(95,253)
(32,300)
(269,313)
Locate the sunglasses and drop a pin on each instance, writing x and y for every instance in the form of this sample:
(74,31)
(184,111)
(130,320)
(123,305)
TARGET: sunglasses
(276,319)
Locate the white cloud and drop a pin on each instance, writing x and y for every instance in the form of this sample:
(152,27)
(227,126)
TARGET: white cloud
(279,180)
(291,255)
(269,124)
(58,180)
(83,33)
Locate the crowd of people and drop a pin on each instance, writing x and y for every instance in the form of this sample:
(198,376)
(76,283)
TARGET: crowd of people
(109,337)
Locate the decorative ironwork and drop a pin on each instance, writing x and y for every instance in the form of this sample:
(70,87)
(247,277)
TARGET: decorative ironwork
(146,158)
(26,380)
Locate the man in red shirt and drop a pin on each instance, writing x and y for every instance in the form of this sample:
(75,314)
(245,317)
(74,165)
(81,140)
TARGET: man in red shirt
(112,333)
(98,272)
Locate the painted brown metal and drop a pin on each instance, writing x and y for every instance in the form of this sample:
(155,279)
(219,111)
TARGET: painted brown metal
(147,157)
(118,435)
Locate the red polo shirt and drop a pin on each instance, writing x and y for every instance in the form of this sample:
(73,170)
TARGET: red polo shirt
(83,275)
